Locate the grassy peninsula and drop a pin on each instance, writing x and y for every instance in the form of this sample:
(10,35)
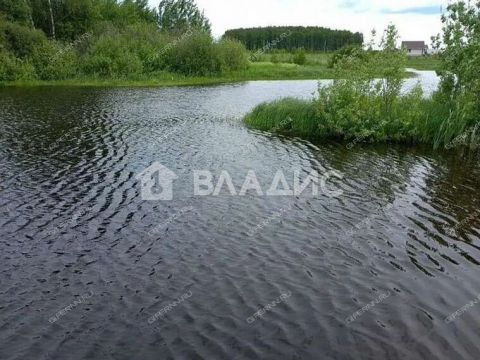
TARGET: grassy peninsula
(358,107)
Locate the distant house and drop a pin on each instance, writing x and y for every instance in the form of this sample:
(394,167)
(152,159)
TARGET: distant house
(415,48)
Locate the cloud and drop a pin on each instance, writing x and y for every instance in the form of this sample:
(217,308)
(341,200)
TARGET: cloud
(414,18)
(421,10)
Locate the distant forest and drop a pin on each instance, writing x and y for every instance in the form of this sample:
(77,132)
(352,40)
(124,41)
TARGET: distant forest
(291,38)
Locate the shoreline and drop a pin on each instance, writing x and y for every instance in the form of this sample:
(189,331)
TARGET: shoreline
(257,72)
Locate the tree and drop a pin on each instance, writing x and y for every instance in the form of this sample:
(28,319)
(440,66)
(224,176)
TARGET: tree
(295,37)
(180,15)
(16,10)
(461,58)
(138,10)
(460,84)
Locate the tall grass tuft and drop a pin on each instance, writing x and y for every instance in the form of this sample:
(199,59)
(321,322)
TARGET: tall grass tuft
(287,116)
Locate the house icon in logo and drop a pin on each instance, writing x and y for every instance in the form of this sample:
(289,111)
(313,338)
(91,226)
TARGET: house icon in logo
(156,182)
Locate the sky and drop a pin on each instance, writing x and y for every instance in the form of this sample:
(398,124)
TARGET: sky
(415,19)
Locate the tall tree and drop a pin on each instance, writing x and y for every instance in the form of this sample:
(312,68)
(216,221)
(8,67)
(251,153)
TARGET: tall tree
(138,11)
(179,15)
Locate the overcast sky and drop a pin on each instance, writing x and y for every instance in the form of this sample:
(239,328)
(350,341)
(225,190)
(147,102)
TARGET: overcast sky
(416,19)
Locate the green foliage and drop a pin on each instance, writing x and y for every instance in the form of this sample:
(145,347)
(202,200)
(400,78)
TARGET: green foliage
(361,72)
(52,61)
(181,15)
(112,54)
(292,38)
(286,116)
(349,51)
(73,18)
(20,40)
(16,10)
(12,69)
(459,93)
(194,55)
(356,106)
(300,57)
(344,113)
(232,54)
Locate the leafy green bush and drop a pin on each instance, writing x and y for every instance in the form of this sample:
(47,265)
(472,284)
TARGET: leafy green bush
(194,54)
(148,42)
(21,40)
(459,94)
(16,10)
(53,61)
(354,51)
(112,55)
(232,54)
(300,57)
(12,69)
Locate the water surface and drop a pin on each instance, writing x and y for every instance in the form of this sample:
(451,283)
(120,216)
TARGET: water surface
(402,242)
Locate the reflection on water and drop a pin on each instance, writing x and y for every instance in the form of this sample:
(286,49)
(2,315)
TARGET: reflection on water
(73,223)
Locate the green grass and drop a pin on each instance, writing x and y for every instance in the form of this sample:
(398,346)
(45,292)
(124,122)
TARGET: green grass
(413,120)
(424,63)
(315,69)
(282,71)
(286,116)
(257,71)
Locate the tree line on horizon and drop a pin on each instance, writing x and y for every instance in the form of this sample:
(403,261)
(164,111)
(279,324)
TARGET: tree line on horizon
(310,38)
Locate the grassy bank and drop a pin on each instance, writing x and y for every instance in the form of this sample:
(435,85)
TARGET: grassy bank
(312,120)
(256,71)
(411,120)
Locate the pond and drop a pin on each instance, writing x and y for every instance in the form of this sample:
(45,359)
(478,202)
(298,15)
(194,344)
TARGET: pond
(90,269)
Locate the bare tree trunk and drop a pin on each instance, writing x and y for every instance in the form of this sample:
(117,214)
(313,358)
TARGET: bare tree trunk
(52,22)
(30,16)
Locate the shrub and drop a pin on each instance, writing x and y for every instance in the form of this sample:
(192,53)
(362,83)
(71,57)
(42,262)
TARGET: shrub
(193,54)
(21,40)
(112,55)
(459,93)
(53,61)
(300,57)
(354,51)
(232,54)
(16,10)
(148,42)
(12,69)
